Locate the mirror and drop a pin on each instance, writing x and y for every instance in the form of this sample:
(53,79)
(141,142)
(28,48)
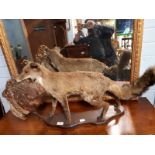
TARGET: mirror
(20,40)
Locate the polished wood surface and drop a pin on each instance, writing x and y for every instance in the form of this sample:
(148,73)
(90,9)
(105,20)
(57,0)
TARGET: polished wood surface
(139,118)
(76,51)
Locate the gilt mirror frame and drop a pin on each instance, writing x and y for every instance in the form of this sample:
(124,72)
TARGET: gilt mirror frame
(7,51)
(136,49)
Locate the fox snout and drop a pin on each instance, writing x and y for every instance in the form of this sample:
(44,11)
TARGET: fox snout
(18,79)
(21,77)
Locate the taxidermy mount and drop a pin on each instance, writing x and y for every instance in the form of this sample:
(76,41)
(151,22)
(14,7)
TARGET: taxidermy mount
(93,87)
(55,61)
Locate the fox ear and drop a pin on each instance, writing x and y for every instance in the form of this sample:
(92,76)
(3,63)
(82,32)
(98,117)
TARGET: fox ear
(34,65)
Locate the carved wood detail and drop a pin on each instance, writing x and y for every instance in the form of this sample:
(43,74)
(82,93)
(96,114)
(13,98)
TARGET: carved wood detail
(136,48)
(7,51)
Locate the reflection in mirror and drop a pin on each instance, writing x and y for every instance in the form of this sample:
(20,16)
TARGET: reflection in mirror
(109,41)
(17,41)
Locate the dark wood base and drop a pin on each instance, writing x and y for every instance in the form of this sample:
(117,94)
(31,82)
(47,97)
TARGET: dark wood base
(138,119)
(79,118)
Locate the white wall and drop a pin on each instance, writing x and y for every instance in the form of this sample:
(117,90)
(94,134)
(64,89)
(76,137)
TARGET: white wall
(4,76)
(148,53)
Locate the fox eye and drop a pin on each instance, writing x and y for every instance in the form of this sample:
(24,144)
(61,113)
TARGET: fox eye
(26,71)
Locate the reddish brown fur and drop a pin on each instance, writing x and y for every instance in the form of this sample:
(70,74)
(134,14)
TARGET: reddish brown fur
(93,87)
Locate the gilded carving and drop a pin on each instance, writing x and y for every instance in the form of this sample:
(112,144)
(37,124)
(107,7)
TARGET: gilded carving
(6,51)
(137,47)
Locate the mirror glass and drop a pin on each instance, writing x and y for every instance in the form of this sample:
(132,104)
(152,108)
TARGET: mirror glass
(106,40)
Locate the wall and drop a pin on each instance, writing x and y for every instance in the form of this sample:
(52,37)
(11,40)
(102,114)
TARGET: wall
(148,53)
(4,76)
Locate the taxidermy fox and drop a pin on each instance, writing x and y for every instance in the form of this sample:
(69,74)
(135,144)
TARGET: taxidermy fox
(54,60)
(92,87)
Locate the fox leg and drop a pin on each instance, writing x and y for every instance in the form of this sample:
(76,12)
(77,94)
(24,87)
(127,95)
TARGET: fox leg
(54,105)
(105,106)
(117,105)
(117,101)
(66,109)
(98,102)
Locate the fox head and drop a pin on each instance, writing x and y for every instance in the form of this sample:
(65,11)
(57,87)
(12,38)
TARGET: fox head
(31,70)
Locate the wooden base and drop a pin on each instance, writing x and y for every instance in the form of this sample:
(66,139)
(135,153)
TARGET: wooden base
(138,119)
(78,118)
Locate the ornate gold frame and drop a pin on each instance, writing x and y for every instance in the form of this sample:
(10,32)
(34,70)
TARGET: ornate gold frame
(7,51)
(136,54)
(136,48)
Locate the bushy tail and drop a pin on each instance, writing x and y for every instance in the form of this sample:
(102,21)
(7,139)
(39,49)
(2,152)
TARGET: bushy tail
(144,82)
(124,60)
(115,72)
(138,87)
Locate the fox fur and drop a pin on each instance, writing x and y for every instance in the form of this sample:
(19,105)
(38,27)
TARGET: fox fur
(55,61)
(92,87)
